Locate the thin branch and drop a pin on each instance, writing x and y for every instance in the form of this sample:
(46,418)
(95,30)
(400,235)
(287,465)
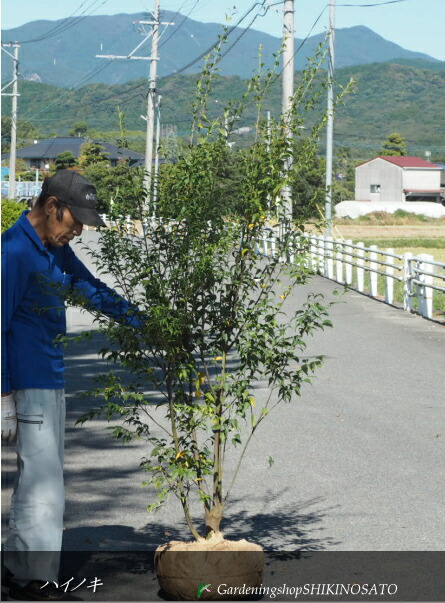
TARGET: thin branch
(243,451)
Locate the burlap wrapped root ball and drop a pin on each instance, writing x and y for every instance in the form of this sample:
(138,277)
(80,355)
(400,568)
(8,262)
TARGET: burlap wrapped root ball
(182,567)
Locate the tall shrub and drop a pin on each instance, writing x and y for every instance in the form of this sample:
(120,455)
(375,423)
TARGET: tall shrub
(213,311)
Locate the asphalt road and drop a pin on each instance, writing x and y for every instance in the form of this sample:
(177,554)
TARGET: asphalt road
(359,458)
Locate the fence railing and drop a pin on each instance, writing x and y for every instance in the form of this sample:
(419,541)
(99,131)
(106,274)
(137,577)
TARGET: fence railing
(131,225)
(113,222)
(22,189)
(369,270)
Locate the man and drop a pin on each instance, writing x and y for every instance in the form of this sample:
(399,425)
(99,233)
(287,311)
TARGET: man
(37,266)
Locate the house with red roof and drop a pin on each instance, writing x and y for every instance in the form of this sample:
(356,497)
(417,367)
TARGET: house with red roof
(390,179)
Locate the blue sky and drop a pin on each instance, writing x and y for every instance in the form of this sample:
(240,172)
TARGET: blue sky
(414,24)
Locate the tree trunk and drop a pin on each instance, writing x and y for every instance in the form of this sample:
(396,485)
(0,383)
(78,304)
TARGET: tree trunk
(213,519)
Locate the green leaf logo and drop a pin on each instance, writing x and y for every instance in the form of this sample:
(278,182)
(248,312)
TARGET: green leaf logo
(202,587)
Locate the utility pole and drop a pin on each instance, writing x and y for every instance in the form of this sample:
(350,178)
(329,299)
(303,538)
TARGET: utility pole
(269,208)
(151,103)
(287,95)
(14,94)
(157,145)
(330,124)
(151,99)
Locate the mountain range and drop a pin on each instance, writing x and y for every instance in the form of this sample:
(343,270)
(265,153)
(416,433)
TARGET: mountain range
(63,53)
(388,97)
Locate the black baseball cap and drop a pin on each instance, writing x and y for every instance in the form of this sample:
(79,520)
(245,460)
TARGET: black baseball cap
(77,193)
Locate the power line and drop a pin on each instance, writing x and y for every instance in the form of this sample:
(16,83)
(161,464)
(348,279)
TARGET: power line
(265,12)
(247,29)
(184,68)
(303,42)
(199,57)
(375,4)
(77,84)
(182,22)
(138,86)
(213,46)
(178,11)
(59,24)
(176,72)
(66,23)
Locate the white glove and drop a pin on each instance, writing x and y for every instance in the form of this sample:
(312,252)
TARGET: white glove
(9,418)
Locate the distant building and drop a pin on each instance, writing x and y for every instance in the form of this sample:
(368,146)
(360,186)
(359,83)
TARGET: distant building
(41,153)
(390,179)
(442,175)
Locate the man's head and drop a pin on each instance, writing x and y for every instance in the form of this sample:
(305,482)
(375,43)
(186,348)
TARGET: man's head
(68,201)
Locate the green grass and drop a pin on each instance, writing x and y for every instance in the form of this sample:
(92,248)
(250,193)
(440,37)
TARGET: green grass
(426,243)
(382,218)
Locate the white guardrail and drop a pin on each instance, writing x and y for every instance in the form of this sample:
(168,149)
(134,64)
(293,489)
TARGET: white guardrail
(130,224)
(368,269)
(22,188)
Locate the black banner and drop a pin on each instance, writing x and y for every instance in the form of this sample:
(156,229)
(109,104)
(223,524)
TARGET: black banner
(286,576)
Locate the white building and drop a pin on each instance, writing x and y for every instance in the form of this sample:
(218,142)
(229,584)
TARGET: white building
(388,179)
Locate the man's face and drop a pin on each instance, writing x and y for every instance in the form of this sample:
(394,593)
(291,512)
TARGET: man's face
(61,232)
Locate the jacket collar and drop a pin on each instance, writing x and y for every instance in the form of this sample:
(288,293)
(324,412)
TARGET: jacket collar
(30,231)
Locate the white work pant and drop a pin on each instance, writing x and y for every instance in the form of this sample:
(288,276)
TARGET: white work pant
(32,551)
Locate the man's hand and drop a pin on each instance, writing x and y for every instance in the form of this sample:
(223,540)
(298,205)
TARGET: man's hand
(9,418)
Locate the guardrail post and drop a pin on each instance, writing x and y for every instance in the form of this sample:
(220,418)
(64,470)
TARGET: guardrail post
(314,253)
(257,244)
(425,292)
(360,267)
(321,256)
(292,245)
(296,247)
(420,285)
(373,266)
(306,242)
(348,262)
(389,281)
(264,241)
(339,260)
(272,243)
(429,280)
(307,248)
(329,253)
(408,281)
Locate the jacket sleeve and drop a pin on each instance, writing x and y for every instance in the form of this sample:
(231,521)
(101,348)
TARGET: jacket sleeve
(99,295)
(14,283)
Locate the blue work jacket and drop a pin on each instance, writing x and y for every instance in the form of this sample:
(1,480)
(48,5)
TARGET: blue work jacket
(33,308)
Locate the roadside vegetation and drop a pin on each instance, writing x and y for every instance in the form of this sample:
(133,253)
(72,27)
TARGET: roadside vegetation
(399,218)
(11,211)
